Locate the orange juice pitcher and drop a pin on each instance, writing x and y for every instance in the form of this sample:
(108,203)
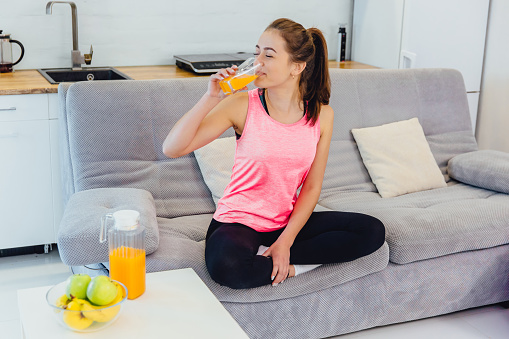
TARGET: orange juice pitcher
(126,242)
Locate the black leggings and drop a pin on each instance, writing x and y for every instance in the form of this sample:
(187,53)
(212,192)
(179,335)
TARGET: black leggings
(327,237)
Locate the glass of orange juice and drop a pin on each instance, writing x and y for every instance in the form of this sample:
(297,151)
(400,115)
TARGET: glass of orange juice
(245,74)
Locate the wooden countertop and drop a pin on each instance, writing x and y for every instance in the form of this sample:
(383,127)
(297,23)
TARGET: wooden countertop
(32,82)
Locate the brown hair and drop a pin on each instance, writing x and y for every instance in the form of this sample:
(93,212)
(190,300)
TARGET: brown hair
(309,46)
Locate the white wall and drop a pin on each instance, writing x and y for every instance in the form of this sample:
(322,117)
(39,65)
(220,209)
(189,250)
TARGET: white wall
(150,32)
(493,119)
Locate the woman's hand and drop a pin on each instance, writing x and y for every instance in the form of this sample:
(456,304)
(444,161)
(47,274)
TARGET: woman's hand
(214,90)
(280,254)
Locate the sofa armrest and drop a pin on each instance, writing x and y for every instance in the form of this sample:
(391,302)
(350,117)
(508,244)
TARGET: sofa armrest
(486,169)
(78,235)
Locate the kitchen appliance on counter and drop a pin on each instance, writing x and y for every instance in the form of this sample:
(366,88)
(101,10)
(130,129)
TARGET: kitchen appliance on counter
(210,63)
(6,52)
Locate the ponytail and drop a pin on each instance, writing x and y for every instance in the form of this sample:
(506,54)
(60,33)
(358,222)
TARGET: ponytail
(308,46)
(316,83)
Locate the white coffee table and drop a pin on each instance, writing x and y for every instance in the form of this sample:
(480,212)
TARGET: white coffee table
(176,304)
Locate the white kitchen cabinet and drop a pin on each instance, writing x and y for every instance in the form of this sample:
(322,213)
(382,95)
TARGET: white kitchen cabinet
(25,173)
(53,106)
(423,34)
(23,107)
(28,171)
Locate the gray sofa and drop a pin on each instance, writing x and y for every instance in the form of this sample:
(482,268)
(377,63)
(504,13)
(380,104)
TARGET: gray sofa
(446,249)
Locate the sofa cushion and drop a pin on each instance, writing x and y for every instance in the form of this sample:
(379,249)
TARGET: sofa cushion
(398,158)
(487,169)
(433,223)
(78,234)
(182,244)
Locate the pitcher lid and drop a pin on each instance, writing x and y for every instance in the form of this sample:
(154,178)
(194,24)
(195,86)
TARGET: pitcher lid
(126,220)
(4,35)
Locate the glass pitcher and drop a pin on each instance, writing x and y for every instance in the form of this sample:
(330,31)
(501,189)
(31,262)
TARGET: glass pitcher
(6,61)
(126,242)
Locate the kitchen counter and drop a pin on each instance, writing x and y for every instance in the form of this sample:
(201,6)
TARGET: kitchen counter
(32,82)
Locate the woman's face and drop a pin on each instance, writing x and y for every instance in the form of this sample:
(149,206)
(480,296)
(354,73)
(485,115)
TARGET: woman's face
(276,66)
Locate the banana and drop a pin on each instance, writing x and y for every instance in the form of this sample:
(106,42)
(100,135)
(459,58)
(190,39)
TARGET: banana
(62,301)
(121,289)
(93,312)
(108,312)
(73,319)
(121,293)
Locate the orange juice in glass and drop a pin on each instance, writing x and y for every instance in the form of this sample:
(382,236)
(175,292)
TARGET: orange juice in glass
(245,74)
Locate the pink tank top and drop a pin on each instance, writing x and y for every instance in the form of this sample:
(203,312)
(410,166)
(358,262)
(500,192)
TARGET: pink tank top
(272,160)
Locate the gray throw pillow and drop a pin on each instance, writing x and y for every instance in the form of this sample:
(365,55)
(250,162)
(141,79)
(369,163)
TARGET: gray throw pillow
(487,169)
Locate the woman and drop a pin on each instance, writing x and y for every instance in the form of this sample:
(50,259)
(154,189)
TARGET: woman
(261,232)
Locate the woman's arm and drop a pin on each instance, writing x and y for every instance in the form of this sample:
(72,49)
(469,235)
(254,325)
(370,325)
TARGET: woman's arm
(306,202)
(206,121)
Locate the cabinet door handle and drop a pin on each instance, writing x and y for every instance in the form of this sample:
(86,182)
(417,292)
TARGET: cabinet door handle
(9,135)
(8,109)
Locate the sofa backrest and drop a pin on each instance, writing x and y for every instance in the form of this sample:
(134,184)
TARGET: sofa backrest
(112,131)
(366,98)
(115,131)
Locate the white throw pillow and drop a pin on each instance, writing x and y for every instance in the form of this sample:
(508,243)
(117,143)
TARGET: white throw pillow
(216,163)
(398,158)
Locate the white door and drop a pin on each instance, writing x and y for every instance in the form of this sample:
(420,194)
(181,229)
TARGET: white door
(445,34)
(376,33)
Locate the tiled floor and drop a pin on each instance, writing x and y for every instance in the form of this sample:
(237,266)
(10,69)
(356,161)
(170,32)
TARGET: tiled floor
(47,269)
(25,271)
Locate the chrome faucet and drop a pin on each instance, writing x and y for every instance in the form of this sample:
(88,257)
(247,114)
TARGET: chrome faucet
(77,58)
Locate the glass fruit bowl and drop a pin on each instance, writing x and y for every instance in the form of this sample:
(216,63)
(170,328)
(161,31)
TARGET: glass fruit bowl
(80,315)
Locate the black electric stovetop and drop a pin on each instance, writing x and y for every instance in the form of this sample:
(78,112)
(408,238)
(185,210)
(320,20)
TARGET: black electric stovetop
(210,63)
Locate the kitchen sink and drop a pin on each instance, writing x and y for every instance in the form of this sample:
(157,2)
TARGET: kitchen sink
(58,75)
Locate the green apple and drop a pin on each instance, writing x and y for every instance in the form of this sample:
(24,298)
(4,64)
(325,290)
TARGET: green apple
(101,290)
(77,285)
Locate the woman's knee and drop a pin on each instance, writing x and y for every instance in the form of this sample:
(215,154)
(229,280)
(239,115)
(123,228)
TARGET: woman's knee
(221,268)
(372,230)
(228,271)
(375,231)
(228,252)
